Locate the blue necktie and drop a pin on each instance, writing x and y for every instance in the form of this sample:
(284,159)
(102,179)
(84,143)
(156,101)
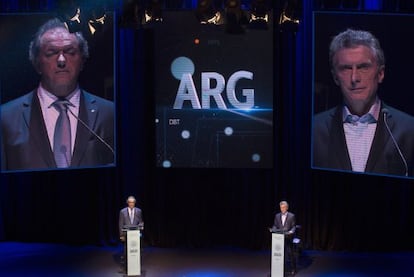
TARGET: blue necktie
(62,136)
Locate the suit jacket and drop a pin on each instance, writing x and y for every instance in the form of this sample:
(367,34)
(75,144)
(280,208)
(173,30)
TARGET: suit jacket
(330,149)
(25,144)
(290,223)
(124,218)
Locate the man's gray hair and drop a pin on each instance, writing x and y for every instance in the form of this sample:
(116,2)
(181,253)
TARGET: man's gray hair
(353,38)
(131,198)
(284,203)
(35,44)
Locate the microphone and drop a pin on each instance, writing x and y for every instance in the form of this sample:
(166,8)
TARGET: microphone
(92,131)
(386,113)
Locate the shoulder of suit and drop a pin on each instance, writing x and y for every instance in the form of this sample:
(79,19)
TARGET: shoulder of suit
(327,115)
(398,114)
(92,98)
(24,100)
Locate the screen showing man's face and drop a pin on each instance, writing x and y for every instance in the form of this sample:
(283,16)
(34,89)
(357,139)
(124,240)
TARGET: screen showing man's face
(45,62)
(362,119)
(59,61)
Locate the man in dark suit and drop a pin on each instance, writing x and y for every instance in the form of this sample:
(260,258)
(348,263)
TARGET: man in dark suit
(362,134)
(130,216)
(285,222)
(29,137)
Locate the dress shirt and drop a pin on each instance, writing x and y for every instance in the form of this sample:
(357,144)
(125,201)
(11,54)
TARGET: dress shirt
(50,113)
(284,218)
(359,134)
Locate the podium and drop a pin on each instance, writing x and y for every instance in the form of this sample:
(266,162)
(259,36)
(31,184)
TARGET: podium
(278,254)
(133,253)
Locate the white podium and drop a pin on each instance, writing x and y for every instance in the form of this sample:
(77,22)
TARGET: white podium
(278,255)
(133,253)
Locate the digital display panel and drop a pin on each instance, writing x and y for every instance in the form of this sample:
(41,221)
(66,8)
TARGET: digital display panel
(362,108)
(78,70)
(214,94)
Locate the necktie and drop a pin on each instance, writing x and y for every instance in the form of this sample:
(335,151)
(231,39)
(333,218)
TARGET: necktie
(62,136)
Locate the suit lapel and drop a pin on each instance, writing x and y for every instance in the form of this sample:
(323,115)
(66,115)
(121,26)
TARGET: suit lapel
(337,145)
(381,138)
(87,113)
(38,134)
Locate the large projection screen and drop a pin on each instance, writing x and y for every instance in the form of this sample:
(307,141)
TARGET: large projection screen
(25,139)
(214,94)
(391,152)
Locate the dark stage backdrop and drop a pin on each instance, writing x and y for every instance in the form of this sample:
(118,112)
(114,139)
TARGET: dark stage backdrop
(209,207)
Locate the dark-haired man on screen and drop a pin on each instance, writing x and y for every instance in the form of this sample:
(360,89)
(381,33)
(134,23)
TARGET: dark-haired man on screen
(362,134)
(30,138)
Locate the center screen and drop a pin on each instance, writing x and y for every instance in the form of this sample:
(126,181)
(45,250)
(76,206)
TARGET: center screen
(214,94)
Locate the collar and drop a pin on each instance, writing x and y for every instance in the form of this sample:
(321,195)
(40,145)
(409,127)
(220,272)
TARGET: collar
(370,117)
(48,98)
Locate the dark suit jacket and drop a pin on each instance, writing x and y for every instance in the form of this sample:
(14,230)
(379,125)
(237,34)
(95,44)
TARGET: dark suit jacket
(125,220)
(290,223)
(25,144)
(330,149)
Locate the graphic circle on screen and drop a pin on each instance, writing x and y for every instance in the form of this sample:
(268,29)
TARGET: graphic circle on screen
(256,158)
(228,131)
(166,164)
(180,66)
(185,134)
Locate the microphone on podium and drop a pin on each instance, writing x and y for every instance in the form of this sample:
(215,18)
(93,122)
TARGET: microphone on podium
(385,113)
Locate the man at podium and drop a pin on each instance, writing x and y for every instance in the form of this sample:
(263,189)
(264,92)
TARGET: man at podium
(285,222)
(130,217)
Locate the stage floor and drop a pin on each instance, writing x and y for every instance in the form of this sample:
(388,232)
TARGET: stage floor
(47,260)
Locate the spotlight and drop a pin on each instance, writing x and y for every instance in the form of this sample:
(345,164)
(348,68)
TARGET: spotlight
(72,20)
(289,18)
(97,20)
(207,13)
(259,14)
(68,11)
(153,13)
(235,17)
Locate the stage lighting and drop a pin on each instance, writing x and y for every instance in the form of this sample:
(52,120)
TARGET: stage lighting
(235,17)
(97,20)
(153,13)
(69,12)
(259,14)
(73,22)
(207,13)
(289,17)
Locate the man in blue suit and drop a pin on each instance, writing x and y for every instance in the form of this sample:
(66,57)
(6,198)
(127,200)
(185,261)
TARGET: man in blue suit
(28,139)
(362,134)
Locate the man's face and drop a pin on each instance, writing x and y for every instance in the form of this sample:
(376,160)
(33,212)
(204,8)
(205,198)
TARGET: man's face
(356,72)
(283,208)
(59,61)
(131,203)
